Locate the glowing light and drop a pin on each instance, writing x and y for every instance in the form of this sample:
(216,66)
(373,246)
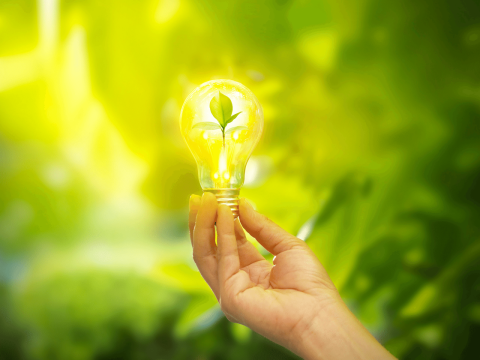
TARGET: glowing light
(221,152)
(48,27)
(166,10)
(222,164)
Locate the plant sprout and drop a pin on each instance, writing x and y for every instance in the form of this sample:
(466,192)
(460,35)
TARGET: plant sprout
(221,108)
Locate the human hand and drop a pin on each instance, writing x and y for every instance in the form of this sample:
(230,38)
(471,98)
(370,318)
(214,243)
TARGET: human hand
(292,302)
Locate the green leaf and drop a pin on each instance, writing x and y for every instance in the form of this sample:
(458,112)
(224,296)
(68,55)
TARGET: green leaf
(221,108)
(236,128)
(205,125)
(233,117)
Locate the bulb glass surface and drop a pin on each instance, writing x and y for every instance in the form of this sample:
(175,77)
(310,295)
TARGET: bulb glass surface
(221,156)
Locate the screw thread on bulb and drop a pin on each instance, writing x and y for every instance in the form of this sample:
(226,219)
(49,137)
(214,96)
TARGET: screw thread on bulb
(229,197)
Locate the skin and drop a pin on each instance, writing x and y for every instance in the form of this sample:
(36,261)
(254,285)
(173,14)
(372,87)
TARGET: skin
(292,302)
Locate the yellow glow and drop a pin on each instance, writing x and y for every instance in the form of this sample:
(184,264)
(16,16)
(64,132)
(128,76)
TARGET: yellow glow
(222,163)
(221,160)
(166,10)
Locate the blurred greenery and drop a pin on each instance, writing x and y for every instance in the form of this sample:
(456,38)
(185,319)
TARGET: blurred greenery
(371,153)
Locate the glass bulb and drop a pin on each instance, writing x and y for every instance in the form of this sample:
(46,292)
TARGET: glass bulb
(222,122)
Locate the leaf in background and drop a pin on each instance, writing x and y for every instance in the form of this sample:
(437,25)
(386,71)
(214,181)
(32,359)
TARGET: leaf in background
(202,312)
(206,126)
(233,117)
(221,108)
(236,128)
(340,222)
(182,277)
(240,332)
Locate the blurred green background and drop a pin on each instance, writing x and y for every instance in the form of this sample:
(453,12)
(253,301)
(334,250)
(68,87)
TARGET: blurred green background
(371,153)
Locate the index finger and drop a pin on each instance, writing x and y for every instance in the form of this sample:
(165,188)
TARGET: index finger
(228,260)
(271,236)
(204,247)
(231,279)
(194,205)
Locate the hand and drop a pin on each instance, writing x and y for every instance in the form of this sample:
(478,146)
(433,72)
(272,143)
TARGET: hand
(292,302)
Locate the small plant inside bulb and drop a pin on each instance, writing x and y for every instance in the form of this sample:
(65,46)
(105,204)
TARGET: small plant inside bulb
(221,108)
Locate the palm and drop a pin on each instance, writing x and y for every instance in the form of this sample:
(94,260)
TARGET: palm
(289,272)
(273,295)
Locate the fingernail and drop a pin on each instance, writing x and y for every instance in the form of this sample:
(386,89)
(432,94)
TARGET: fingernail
(194,199)
(223,206)
(204,197)
(208,194)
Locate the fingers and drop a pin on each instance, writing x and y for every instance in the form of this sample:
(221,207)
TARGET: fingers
(247,253)
(270,235)
(194,205)
(232,280)
(228,260)
(204,248)
(234,251)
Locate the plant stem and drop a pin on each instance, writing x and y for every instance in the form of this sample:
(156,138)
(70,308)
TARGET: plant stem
(223,136)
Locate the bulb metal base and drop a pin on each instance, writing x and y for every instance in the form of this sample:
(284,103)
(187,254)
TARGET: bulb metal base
(229,197)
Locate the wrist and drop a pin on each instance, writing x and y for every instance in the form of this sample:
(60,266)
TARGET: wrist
(335,333)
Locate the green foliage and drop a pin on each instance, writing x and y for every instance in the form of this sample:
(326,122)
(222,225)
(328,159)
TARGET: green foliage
(80,310)
(205,125)
(233,117)
(236,128)
(371,153)
(221,108)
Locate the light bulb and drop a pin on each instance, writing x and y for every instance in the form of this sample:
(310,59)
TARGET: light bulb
(222,122)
